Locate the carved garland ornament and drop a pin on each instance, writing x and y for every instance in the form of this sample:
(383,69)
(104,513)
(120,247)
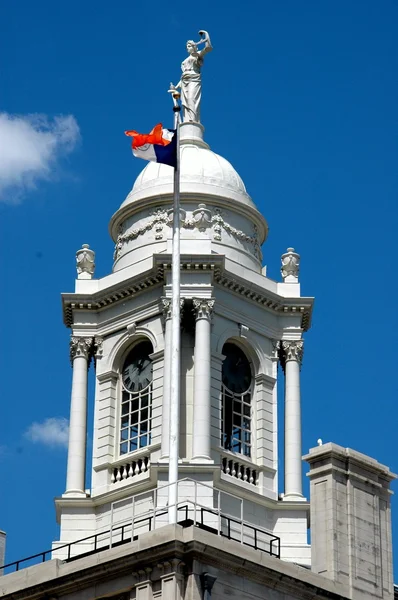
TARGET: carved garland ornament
(159,218)
(202,218)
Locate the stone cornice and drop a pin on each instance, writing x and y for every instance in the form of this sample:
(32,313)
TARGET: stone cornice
(170,543)
(103,298)
(210,263)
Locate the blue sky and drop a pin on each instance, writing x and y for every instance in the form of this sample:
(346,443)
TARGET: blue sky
(301,97)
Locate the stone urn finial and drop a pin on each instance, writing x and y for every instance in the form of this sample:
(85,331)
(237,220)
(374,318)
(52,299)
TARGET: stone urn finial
(290,266)
(85,262)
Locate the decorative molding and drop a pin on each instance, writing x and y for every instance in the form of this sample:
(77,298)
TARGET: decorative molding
(203,307)
(291,350)
(85,262)
(81,346)
(202,218)
(290,266)
(158,218)
(219,224)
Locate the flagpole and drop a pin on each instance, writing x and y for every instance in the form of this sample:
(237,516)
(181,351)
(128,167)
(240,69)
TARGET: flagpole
(175,335)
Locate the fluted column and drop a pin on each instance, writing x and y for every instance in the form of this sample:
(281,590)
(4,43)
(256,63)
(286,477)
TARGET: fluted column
(291,358)
(165,443)
(80,353)
(202,361)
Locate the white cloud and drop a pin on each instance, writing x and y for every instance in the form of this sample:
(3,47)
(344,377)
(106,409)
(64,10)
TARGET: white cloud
(29,149)
(52,432)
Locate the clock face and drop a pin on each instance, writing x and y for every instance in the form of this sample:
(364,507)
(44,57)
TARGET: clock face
(236,371)
(137,369)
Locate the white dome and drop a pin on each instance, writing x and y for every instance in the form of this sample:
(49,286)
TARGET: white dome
(198,166)
(201,172)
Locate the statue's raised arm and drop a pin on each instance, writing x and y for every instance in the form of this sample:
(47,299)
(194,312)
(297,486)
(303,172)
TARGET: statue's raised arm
(206,41)
(191,82)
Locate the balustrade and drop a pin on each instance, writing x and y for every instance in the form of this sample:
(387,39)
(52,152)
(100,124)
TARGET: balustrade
(130,469)
(240,470)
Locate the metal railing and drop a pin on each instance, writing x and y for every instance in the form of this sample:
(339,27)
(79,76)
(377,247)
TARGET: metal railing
(214,519)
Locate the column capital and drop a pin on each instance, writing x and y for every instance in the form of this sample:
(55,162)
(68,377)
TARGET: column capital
(276,348)
(291,350)
(80,346)
(203,307)
(167,306)
(97,349)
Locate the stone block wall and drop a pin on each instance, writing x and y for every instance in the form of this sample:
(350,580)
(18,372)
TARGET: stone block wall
(351,521)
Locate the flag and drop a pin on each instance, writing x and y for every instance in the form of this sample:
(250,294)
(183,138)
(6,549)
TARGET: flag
(160,145)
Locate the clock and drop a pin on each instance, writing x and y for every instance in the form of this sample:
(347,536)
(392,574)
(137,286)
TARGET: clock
(236,371)
(137,369)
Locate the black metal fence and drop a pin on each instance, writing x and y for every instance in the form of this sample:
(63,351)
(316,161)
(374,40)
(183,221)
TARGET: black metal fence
(252,536)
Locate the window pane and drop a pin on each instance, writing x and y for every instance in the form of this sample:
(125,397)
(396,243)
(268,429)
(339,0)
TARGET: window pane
(246,410)
(236,446)
(237,420)
(135,420)
(237,407)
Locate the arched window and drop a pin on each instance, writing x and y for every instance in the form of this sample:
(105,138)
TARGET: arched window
(136,376)
(236,401)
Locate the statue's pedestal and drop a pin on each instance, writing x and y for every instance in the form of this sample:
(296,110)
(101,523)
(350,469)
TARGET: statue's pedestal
(192,133)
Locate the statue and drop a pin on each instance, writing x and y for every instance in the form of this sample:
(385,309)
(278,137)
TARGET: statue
(190,83)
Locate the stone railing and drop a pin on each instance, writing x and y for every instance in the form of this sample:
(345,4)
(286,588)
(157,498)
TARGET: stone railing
(130,469)
(239,469)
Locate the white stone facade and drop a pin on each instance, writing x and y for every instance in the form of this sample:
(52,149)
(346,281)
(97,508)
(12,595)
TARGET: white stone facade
(226,298)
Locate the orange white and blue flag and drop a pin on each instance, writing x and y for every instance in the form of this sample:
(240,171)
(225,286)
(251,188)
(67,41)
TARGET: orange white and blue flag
(160,145)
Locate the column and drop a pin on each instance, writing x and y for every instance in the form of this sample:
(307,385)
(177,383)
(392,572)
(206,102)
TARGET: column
(202,401)
(80,353)
(166,379)
(291,358)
